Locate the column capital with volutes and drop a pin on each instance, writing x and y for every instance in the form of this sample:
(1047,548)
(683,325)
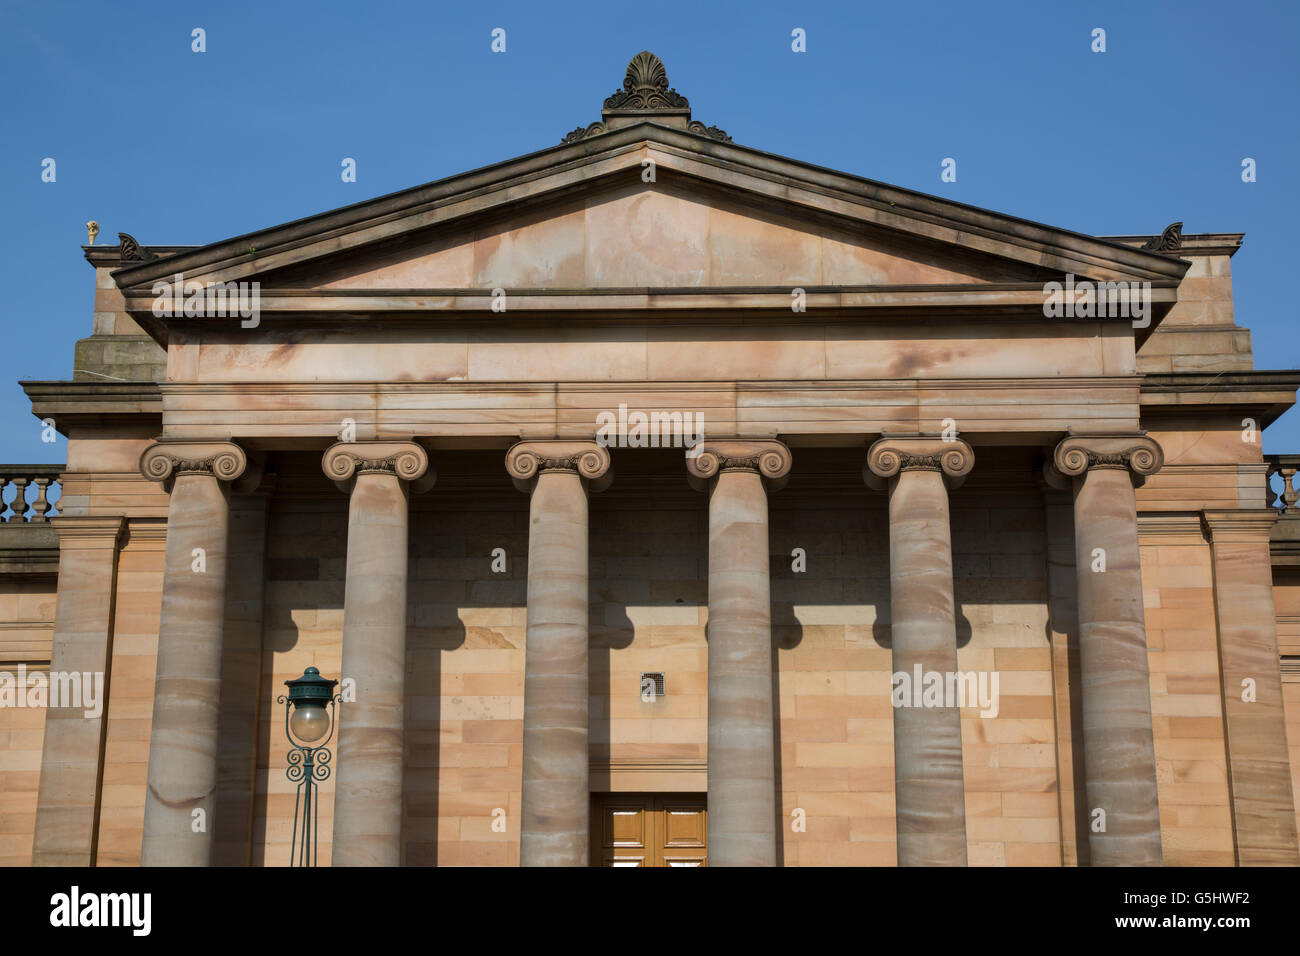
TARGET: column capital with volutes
(163,461)
(527,460)
(1132,452)
(767,457)
(893,455)
(406,460)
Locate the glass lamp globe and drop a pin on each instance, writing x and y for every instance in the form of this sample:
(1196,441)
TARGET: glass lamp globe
(309,722)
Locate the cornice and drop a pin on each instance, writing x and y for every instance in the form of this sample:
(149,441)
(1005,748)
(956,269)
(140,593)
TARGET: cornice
(102,256)
(88,532)
(1261,393)
(74,403)
(1237,380)
(140,530)
(1285,553)
(1193,244)
(1239,525)
(1184,527)
(1064,383)
(1264,394)
(34,551)
(1001,300)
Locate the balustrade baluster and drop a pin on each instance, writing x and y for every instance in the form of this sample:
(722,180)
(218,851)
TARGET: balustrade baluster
(1289,494)
(20,499)
(41,506)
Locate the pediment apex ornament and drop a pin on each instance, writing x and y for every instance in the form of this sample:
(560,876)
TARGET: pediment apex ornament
(343,461)
(1137,454)
(526,460)
(645,88)
(1171,240)
(769,458)
(163,461)
(890,456)
(646,93)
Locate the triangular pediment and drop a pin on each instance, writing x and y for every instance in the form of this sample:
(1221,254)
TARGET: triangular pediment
(662,235)
(583,219)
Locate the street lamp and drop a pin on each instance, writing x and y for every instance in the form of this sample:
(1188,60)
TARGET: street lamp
(306,721)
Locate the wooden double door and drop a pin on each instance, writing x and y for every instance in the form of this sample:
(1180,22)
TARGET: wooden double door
(649,829)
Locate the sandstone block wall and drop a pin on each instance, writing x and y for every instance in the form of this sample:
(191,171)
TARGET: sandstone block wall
(26,629)
(648,613)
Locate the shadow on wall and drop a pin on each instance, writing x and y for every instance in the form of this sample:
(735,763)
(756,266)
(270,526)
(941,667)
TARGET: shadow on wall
(649,594)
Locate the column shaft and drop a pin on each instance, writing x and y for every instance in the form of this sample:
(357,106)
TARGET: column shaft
(742,760)
(556,796)
(1119,753)
(183,741)
(928,782)
(368,792)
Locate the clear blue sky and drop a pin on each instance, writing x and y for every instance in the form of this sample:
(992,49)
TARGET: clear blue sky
(179,147)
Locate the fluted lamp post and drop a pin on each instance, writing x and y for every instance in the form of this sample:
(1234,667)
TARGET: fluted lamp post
(309,725)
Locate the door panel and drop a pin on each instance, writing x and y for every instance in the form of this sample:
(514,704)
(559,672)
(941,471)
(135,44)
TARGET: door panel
(626,827)
(649,829)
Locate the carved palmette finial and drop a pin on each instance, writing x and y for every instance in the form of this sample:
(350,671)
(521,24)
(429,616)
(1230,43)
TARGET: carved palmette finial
(92,230)
(645,87)
(646,92)
(1171,240)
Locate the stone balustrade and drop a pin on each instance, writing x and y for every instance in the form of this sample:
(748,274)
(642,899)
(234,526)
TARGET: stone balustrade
(32,501)
(1284,466)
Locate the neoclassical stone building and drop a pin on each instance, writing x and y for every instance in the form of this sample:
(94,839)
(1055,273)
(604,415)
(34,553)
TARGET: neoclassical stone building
(653,495)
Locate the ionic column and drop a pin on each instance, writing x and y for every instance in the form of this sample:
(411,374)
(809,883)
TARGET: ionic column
(1119,752)
(742,757)
(181,797)
(67,807)
(368,788)
(1259,764)
(929,791)
(556,798)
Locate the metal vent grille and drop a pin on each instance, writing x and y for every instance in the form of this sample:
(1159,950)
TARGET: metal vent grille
(652,685)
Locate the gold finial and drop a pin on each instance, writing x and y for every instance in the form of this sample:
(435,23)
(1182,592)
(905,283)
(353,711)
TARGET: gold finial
(92,228)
